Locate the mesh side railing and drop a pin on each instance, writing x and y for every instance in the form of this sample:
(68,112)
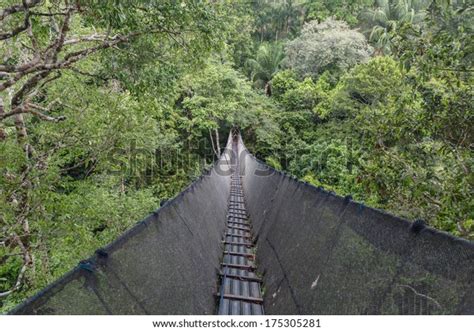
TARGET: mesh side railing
(325,254)
(166,264)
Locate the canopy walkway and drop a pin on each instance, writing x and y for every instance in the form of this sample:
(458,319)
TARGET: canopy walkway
(248,239)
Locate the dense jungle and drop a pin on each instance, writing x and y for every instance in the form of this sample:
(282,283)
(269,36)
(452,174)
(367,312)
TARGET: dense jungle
(109,108)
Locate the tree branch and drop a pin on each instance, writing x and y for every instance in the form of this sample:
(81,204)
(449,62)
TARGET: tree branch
(37,111)
(56,47)
(31,108)
(87,74)
(70,58)
(17,8)
(34,13)
(27,87)
(92,37)
(18,29)
(26,262)
(3,134)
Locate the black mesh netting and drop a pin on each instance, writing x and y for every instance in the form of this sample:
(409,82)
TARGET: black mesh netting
(166,264)
(324,254)
(319,254)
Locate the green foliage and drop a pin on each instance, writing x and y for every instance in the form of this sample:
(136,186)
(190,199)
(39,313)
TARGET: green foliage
(345,10)
(273,162)
(304,95)
(266,64)
(386,141)
(440,58)
(220,97)
(239,22)
(326,160)
(387,16)
(371,87)
(282,82)
(277,20)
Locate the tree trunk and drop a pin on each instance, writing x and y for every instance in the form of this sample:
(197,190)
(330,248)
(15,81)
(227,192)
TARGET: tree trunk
(3,134)
(268,89)
(20,127)
(212,142)
(217,142)
(23,209)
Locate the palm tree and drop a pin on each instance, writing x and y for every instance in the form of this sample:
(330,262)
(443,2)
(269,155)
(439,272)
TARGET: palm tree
(266,64)
(388,15)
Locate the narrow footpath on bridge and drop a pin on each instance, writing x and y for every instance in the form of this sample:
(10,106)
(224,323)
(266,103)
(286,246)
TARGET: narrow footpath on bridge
(241,288)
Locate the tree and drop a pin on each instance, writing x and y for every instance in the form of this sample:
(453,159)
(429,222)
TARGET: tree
(296,95)
(218,97)
(344,10)
(48,46)
(277,19)
(43,41)
(266,64)
(329,45)
(386,18)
